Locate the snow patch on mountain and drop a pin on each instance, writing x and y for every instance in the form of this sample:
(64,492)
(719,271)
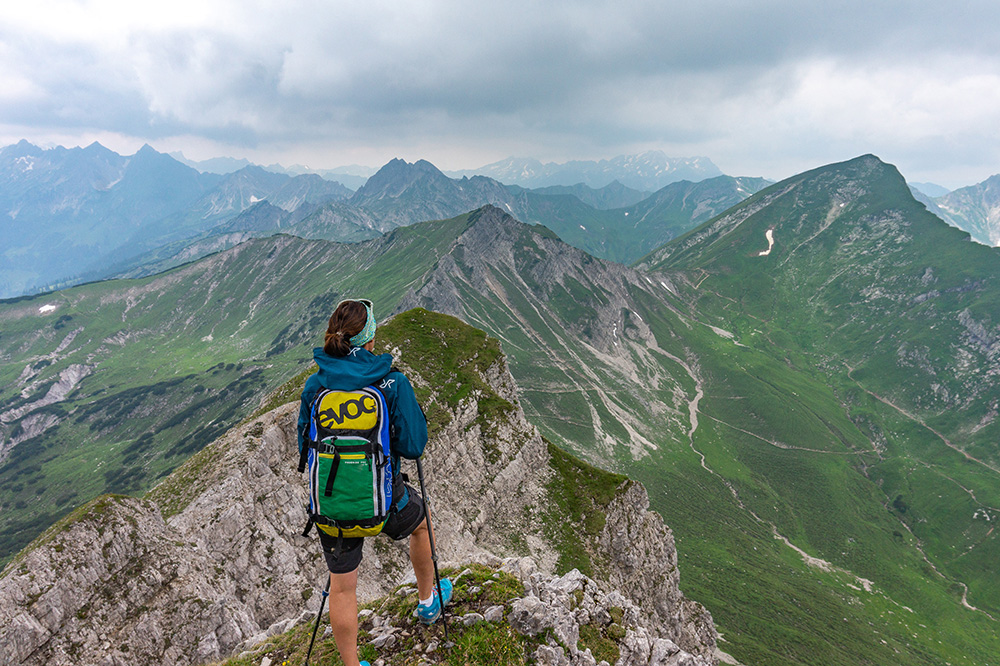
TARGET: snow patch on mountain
(769,235)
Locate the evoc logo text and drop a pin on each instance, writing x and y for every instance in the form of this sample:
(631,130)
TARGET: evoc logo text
(349,409)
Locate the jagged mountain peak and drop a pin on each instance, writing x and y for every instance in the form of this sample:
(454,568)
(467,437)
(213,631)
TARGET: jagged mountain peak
(841,191)
(147,150)
(492,222)
(97,148)
(21,149)
(424,165)
(396,170)
(258,170)
(492,215)
(402,193)
(257,176)
(554,302)
(158,165)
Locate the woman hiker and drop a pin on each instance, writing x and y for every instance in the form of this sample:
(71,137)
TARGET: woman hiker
(346,363)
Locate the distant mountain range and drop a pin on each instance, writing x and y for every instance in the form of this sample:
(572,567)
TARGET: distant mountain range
(612,195)
(401,194)
(88,214)
(71,214)
(930,189)
(351,177)
(217,165)
(644,172)
(648,171)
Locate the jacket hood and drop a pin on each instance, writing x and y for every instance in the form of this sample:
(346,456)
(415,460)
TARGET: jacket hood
(358,369)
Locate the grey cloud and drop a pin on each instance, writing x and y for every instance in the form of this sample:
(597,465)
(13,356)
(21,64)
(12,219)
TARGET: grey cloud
(536,60)
(560,76)
(76,89)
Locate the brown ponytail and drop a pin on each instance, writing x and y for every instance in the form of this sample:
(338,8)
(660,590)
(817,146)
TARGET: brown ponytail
(345,322)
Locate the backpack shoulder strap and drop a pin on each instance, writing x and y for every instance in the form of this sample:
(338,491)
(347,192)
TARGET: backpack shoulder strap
(310,438)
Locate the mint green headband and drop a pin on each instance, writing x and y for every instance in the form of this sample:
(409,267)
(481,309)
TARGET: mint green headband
(368,332)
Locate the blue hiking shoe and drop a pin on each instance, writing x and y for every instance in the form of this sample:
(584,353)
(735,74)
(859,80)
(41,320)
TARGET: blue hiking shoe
(365,663)
(431,612)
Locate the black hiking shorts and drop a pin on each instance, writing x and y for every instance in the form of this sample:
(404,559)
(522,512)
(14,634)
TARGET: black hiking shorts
(399,525)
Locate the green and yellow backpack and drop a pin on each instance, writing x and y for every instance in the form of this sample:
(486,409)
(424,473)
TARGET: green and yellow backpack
(350,467)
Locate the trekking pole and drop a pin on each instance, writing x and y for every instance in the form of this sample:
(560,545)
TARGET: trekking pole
(434,557)
(326,593)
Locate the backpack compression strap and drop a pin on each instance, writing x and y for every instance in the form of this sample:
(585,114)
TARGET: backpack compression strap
(328,491)
(304,453)
(303,456)
(309,442)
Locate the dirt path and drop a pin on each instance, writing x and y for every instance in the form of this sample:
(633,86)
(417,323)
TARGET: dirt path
(917,419)
(782,445)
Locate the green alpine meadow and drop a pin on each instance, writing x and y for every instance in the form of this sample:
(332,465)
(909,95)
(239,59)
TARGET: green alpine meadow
(805,383)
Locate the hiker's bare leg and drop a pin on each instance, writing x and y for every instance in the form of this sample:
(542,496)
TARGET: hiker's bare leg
(420,557)
(344,615)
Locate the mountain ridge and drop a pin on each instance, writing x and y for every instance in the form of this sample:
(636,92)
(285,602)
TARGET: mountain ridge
(901,230)
(401,194)
(612,195)
(140,210)
(202,573)
(895,320)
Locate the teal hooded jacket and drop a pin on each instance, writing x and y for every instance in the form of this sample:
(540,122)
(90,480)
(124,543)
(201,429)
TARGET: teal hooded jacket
(361,368)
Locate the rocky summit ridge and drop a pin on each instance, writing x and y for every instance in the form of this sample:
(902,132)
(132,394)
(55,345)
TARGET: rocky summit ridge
(211,562)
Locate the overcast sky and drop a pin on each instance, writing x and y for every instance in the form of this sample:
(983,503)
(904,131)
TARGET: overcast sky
(763,88)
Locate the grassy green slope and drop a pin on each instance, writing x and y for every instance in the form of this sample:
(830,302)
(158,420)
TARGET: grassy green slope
(771,606)
(870,299)
(170,362)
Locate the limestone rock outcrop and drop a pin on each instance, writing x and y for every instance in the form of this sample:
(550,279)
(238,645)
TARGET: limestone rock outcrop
(565,604)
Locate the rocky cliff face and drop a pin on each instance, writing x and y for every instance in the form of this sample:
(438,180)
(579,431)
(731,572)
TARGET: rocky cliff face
(557,307)
(212,560)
